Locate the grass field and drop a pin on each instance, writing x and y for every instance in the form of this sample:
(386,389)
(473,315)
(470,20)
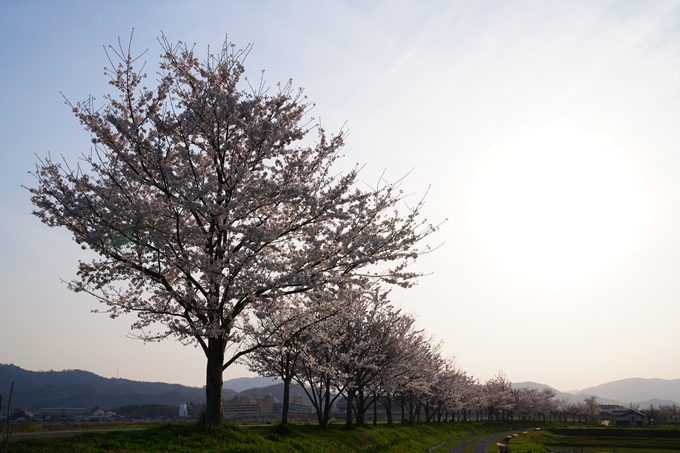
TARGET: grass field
(605,440)
(382,438)
(299,438)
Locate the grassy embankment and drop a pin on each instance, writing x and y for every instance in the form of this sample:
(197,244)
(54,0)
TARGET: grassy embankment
(663,439)
(299,438)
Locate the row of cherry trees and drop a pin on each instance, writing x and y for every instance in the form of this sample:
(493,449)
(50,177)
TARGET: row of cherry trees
(353,344)
(664,413)
(220,223)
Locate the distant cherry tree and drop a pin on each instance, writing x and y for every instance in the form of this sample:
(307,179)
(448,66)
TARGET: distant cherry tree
(415,374)
(206,207)
(370,347)
(316,365)
(592,408)
(669,412)
(469,396)
(444,391)
(282,334)
(500,399)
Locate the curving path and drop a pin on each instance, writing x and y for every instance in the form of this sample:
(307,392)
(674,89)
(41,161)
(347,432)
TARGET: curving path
(482,442)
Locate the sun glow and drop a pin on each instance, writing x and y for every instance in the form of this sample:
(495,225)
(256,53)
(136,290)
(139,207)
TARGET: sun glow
(559,204)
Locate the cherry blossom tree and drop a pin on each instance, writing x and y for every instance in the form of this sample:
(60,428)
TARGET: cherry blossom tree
(416,375)
(592,408)
(338,352)
(563,405)
(404,349)
(205,206)
(317,368)
(525,402)
(372,345)
(576,410)
(469,396)
(534,403)
(280,348)
(499,396)
(444,391)
(281,335)
(669,412)
(547,404)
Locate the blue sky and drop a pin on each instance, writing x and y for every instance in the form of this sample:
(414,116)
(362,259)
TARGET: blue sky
(546,133)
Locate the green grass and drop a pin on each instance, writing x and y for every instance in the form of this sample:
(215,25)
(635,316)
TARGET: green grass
(605,440)
(533,441)
(25,427)
(298,438)
(30,427)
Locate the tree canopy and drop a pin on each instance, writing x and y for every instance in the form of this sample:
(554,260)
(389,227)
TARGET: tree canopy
(206,207)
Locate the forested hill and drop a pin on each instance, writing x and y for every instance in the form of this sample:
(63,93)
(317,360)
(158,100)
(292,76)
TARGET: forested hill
(78,388)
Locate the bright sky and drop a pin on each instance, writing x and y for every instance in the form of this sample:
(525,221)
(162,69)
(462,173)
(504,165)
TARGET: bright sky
(547,133)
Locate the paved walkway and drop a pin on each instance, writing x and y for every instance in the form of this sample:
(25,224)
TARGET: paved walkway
(482,442)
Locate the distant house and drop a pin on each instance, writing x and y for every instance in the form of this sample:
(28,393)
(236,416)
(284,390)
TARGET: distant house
(629,417)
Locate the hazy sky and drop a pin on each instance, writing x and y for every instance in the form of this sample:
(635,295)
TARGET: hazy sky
(546,132)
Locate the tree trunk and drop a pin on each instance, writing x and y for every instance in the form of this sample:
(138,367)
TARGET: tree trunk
(361,410)
(213,382)
(323,424)
(348,415)
(286,401)
(375,409)
(403,415)
(388,409)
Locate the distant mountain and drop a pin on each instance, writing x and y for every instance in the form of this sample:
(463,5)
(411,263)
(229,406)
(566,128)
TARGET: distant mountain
(245,383)
(531,385)
(78,388)
(563,395)
(35,379)
(636,390)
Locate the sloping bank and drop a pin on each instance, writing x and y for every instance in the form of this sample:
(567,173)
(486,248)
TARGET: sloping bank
(298,438)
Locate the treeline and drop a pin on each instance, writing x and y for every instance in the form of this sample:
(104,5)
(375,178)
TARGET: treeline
(663,413)
(357,346)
